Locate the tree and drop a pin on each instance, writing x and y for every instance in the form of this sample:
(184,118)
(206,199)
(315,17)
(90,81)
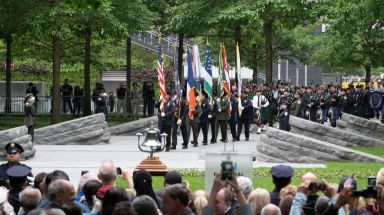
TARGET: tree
(354,36)
(13,23)
(99,21)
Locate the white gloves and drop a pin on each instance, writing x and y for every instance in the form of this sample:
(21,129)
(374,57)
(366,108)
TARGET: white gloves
(209,116)
(219,110)
(163,114)
(241,108)
(179,121)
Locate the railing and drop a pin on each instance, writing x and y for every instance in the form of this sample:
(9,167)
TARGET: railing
(75,105)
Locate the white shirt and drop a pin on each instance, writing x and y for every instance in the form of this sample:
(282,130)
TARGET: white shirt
(256,103)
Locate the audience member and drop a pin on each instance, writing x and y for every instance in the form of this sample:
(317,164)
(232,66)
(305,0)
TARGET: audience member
(72,209)
(171,178)
(90,189)
(270,209)
(145,205)
(29,199)
(113,196)
(124,208)
(281,177)
(142,182)
(286,204)
(258,199)
(17,181)
(245,185)
(176,200)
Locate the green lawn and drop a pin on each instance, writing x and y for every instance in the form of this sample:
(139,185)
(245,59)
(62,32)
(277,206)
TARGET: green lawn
(15,120)
(261,176)
(378,151)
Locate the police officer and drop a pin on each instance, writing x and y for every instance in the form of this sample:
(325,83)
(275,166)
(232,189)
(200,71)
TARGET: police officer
(30,113)
(180,120)
(297,105)
(167,115)
(284,116)
(245,117)
(101,103)
(193,121)
(212,120)
(204,120)
(281,177)
(14,152)
(234,113)
(18,181)
(223,116)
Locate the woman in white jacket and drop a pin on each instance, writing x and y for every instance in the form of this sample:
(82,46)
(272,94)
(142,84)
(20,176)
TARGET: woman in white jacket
(261,105)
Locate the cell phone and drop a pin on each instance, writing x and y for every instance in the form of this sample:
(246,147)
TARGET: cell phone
(118,171)
(226,170)
(83,172)
(316,185)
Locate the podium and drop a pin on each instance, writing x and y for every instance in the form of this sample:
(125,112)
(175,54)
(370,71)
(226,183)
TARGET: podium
(242,161)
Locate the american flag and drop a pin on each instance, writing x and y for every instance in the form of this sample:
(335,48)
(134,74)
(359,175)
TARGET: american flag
(160,73)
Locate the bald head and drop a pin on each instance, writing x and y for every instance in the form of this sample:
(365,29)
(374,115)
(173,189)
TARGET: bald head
(29,198)
(309,176)
(270,209)
(107,172)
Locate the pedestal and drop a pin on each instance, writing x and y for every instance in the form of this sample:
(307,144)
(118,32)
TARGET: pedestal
(243,163)
(152,165)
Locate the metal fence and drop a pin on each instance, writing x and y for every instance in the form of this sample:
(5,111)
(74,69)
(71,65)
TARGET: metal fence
(75,105)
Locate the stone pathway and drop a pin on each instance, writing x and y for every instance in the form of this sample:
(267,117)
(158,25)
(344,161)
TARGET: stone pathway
(124,151)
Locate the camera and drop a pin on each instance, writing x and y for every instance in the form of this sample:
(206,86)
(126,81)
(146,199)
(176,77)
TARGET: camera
(118,171)
(316,185)
(226,170)
(370,191)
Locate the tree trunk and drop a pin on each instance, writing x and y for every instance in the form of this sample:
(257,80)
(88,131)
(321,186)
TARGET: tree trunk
(8,62)
(268,51)
(255,74)
(87,72)
(128,78)
(268,24)
(180,53)
(55,118)
(367,74)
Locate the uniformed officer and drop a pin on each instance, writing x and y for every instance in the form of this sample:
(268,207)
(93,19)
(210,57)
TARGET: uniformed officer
(13,156)
(281,177)
(234,113)
(101,103)
(30,113)
(204,120)
(245,117)
(167,114)
(223,116)
(180,121)
(284,116)
(18,181)
(193,121)
(212,120)
(297,105)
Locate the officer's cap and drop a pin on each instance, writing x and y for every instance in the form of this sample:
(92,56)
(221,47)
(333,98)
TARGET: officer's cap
(28,95)
(282,171)
(18,174)
(13,148)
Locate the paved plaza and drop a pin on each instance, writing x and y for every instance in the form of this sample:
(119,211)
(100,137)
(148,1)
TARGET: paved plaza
(123,151)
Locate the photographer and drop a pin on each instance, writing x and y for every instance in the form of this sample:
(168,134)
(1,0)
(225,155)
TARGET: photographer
(219,201)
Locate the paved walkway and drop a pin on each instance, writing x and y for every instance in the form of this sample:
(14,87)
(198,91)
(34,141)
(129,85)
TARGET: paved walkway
(123,151)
